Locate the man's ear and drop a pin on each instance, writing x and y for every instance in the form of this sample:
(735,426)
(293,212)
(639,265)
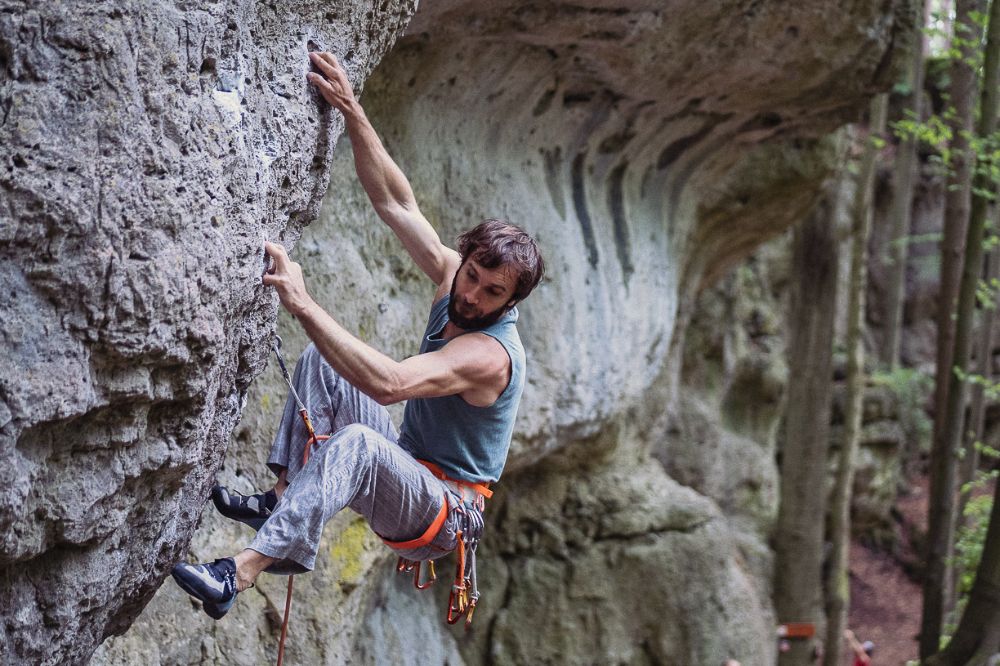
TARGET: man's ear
(511,303)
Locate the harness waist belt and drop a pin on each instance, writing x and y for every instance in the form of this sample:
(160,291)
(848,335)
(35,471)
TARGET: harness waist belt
(435,527)
(481,488)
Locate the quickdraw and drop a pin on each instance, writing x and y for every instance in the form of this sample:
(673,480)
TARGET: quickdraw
(313,440)
(404,565)
(465,590)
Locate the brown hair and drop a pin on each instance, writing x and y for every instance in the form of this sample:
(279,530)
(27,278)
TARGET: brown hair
(495,242)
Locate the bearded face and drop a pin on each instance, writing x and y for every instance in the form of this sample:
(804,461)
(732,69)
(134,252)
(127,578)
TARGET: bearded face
(465,316)
(479,296)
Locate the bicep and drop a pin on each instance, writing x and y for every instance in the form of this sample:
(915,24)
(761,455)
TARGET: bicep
(421,241)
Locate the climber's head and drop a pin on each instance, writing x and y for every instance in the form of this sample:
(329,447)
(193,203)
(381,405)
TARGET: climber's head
(500,266)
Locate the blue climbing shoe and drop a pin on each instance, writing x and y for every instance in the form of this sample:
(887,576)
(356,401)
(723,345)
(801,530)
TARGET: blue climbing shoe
(213,584)
(250,509)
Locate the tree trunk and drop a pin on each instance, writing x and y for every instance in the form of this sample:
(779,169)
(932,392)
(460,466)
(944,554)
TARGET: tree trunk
(838,583)
(944,10)
(962,93)
(902,203)
(977,409)
(948,436)
(942,501)
(978,634)
(799,533)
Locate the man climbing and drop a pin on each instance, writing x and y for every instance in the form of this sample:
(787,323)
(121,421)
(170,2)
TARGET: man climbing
(415,488)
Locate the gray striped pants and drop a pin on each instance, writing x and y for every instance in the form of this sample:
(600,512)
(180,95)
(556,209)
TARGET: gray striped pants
(361,466)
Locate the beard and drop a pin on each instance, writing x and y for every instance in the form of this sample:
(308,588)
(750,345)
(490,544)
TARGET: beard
(472,323)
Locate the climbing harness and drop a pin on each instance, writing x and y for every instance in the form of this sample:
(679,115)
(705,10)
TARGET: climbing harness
(464,593)
(313,440)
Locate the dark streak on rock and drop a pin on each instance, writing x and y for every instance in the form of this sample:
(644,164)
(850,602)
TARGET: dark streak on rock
(678,147)
(553,162)
(675,149)
(765,120)
(578,97)
(544,102)
(679,182)
(616,204)
(616,142)
(580,204)
(605,35)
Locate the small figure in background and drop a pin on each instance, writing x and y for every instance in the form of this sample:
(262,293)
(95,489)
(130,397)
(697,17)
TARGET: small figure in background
(862,651)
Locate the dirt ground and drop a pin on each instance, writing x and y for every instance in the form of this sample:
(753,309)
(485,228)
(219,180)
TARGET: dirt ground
(885,606)
(885,600)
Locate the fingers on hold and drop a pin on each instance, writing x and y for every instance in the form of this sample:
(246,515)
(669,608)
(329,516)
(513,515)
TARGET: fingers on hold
(278,254)
(323,84)
(323,64)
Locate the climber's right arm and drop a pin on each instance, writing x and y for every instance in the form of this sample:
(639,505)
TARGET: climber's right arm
(383,180)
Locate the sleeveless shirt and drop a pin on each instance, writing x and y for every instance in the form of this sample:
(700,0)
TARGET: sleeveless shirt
(469,443)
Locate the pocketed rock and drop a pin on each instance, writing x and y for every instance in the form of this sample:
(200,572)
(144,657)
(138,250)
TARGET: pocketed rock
(147,149)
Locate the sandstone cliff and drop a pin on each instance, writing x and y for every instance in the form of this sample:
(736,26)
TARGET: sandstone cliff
(147,151)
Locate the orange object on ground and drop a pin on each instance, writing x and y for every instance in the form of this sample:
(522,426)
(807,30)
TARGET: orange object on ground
(797,630)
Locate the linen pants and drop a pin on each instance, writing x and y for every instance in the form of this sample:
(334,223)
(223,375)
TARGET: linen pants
(361,467)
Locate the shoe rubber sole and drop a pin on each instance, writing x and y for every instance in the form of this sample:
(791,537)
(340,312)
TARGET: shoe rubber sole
(213,609)
(222,508)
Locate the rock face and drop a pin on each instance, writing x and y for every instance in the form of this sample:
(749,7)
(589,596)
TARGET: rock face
(147,150)
(147,153)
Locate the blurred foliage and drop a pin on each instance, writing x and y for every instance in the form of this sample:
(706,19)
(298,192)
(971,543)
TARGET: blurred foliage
(912,390)
(971,534)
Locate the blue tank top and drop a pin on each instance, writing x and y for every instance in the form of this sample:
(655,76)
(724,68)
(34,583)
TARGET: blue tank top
(469,443)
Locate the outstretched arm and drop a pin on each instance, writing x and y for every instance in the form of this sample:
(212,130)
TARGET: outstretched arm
(474,366)
(856,647)
(385,183)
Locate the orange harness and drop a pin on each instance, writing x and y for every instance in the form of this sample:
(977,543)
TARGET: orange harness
(432,531)
(464,591)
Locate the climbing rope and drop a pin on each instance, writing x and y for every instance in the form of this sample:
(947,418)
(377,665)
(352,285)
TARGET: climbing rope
(311,442)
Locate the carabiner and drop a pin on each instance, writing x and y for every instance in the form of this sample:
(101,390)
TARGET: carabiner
(404,565)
